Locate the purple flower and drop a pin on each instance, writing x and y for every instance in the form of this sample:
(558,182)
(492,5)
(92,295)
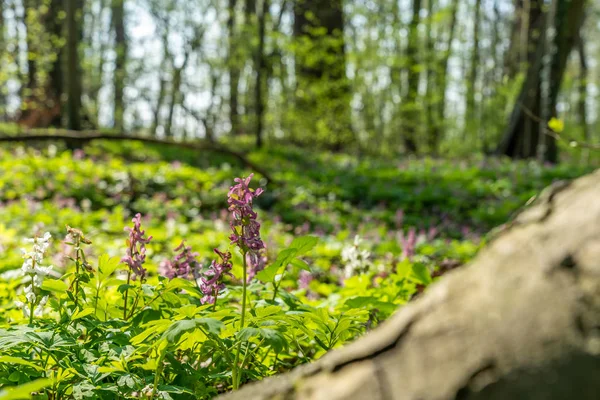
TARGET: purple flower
(182,264)
(211,280)
(136,248)
(244,226)
(304,279)
(408,243)
(257,261)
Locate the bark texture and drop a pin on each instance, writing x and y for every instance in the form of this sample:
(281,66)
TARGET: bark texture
(522,321)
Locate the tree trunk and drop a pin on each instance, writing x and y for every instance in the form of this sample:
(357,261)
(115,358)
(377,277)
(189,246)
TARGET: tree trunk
(471,117)
(435,133)
(410,112)
(2,71)
(516,55)
(118,26)
(41,99)
(323,91)
(520,322)
(430,77)
(260,73)
(583,94)
(523,134)
(176,95)
(234,69)
(74,10)
(162,86)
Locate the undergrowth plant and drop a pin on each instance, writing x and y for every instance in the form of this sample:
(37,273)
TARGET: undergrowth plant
(107,328)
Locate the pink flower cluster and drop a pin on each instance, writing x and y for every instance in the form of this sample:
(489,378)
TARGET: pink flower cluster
(245,228)
(136,248)
(182,265)
(211,280)
(410,241)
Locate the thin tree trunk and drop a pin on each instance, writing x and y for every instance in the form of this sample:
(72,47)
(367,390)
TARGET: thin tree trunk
(260,72)
(582,98)
(15,54)
(472,77)
(441,85)
(430,77)
(516,55)
(74,83)
(162,85)
(409,108)
(3,111)
(176,97)
(522,136)
(234,69)
(97,73)
(569,18)
(118,26)
(247,63)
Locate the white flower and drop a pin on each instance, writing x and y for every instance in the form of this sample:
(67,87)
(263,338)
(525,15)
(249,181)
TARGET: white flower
(34,274)
(30,296)
(356,261)
(37,281)
(27,267)
(43,271)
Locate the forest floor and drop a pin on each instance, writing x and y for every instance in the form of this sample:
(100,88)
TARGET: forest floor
(385,229)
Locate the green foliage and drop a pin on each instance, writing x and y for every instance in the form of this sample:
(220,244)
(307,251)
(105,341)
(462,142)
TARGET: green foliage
(304,303)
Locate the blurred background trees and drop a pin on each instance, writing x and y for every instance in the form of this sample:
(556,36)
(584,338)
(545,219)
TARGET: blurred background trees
(443,77)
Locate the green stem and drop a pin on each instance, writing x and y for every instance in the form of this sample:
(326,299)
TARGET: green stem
(159,369)
(31,307)
(126,291)
(76,274)
(136,300)
(276,287)
(97,297)
(236,374)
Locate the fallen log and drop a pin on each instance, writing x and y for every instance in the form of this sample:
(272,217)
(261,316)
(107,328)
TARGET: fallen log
(522,321)
(88,136)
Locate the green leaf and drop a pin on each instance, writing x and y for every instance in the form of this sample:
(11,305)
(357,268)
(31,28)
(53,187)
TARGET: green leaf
(107,266)
(247,333)
(212,325)
(262,312)
(283,258)
(178,328)
(82,313)
(122,288)
(420,274)
(54,285)
(24,391)
(20,361)
(300,264)
(304,244)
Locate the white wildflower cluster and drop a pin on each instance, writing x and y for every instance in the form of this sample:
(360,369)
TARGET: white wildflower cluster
(34,273)
(356,260)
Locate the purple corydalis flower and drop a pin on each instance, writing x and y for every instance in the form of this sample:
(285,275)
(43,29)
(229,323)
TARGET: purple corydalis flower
(211,280)
(182,264)
(136,248)
(245,228)
(304,279)
(408,243)
(257,261)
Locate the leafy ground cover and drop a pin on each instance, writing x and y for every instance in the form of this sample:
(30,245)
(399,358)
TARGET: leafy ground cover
(342,244)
